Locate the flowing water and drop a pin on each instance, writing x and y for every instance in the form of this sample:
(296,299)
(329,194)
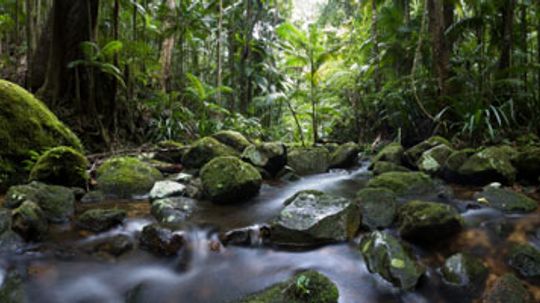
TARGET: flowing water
(205,273)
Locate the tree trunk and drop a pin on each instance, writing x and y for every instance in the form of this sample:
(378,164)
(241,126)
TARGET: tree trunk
(507,13)
(30,36)
(375,41)
(219,80)
(441,17)
(167,49)
(523,42)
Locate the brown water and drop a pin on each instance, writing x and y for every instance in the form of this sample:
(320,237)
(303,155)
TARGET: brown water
(59,272)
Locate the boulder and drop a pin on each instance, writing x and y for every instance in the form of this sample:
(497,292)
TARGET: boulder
(392,152)
(450,170)
(170,151)
(270,156)
(174,210)
(126,177)
(377,207)
(525,258)
(305,287)
(166,189)
(162,240)
(492,164)
(386,256)
(312,217)
(204,150)
(61,166)
(309,160)
(9,241)
(413,154)
(57,202)
(29,221)
(26,125)
(246,236)
(99,220)
(404,183)
(506,200)
(432,160)
(11,287)
(345,156)
(527,163)
(465,271)
(428,221)
(233,139)
(381,167)
(94,196)
(508,289)
(229,180)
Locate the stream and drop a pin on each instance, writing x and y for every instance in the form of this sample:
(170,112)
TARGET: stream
(58,273)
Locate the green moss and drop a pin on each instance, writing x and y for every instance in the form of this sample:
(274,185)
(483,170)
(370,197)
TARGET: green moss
(381,167)
(346,155)
(61,166)
(414,153)
(126,177)
(377,206)
(229,179)
(29,221)
(204,150)
(392,152)
(404,183)
(26,124)
(525,258)
(233,139)
(466,271)
(507,200)
(508,289)
(492,164)
(309,160)
(433,159)
(99,220)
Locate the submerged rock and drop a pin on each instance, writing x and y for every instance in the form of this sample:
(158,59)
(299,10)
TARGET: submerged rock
(432,160)
(57,202)
(233,139)
(98,220)
(11,287)
(392,152)
(229,180)
(29,221)
(508,289)
(305,287)
(345,156)
(126,177)
(162,240)
(404,183)
(506,200)
(312,217)
(492,164)
(61,166)
(173,210)
(204,150)
(381,167)
(377,207)
(465,271)
(525,258)
(166,189)
(26,124)
(428,221)
(309,160)
(386,256)
(413,154)
(270,156)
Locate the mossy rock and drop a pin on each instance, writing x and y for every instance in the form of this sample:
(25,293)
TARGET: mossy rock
(126,177)
(506,200)
(309,160)
(61,166)
(345,156)
(404,183)
(381,167)
(428,221)
(377,207)
(392,152)
(432,160)
(527,163)
(26,125)
(204,150)
(305,287)
(98,220)
(386,256)
(465,271)
(29,221)
(229,180)
(12,288)
(492,164)
(413,154)
(57,202)
(170,151)
(525,258)
(270,156)
(508,289)
(450,170)
(162,240)
(233,139)
(175,210)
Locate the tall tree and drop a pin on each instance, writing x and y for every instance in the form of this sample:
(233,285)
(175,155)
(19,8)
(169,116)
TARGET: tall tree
(167,48)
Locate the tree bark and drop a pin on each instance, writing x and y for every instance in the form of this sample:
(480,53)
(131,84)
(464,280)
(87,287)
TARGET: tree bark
(375,41)
(441,17)
(507,13)
(30,36)
(219,80)
(167,49)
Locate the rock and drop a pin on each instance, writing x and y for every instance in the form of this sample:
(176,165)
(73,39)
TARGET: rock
(309,160)
(204,150)
(99,220)
(57,202)
(508,289)
(247,236)
(182,178)
(170,151)
(392,152)
(432,160)
(332,147)
(381,167)
(116,245)
(525,258)
(492,164)
(229,179)
(9,241)
(126,177)
(345,156)
(413,154)
(11,286)
(61,166)
(271,156)
(5,220)
(404,183)
(312,217)
(450,170)
(428,221)
(506,200)
(29,221)
(94,196)
(173,210)
(233,139)
(26,124)
(377,207)
(166,189)
(527,163)
(305,287)
(465,271)
(162,240)
(386,256)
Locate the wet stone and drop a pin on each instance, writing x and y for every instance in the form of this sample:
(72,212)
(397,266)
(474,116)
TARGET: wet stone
(506,200)
(465,271)
(525,259)
(165,189)
(173,210)
(98,220)
(162,240)
(508,289)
